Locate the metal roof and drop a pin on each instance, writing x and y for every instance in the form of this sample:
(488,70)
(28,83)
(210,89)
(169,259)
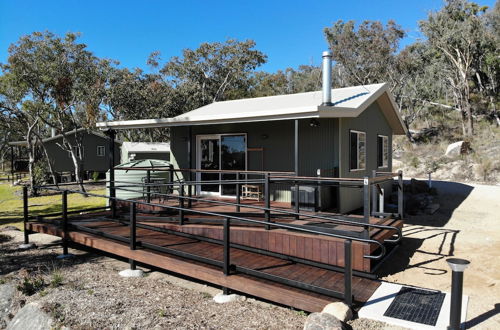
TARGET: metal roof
(347,102)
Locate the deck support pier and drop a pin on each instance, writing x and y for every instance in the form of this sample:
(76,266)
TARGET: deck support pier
(132,225)
(226,258)
(348,298)
(26,245)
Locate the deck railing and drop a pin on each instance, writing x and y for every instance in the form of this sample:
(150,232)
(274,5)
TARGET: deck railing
(228,219)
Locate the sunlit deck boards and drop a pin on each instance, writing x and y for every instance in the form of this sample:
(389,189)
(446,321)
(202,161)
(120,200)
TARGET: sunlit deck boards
(279,293)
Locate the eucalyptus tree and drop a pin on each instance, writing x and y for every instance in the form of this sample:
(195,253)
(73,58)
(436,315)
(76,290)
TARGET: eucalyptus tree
(456,31)
(367,53)
(64,81)
(213,72)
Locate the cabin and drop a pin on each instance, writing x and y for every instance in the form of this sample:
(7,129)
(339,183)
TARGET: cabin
(342,132)
(95,149)
(144,150)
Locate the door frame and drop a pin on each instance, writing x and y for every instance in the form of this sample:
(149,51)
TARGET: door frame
(218,136)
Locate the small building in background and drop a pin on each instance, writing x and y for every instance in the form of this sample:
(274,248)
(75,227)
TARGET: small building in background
(144,150)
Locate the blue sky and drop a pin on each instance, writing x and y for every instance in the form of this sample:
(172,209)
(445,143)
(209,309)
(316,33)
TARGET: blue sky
(289,32)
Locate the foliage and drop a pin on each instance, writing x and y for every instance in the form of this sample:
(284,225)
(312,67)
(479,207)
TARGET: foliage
(56,279)
(31,285)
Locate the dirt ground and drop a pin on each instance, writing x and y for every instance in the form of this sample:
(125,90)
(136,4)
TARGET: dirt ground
(466,226)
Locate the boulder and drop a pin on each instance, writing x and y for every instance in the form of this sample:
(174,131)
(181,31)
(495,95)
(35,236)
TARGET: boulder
(9,228)
(457,149)
(7,292)
(339,310)
(323,321)
(31,317)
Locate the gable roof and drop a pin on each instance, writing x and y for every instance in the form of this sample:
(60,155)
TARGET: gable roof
(55,137)
(347,102)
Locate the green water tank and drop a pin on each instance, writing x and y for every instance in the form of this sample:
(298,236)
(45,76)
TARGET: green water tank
(126,176)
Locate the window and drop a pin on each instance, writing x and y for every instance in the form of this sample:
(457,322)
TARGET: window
(357,150)
(382,151)
(77,151)
(101,151)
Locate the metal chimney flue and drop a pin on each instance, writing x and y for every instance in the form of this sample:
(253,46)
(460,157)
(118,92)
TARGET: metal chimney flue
(327,78)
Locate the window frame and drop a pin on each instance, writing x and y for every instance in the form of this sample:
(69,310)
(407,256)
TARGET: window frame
(358,168)
(385,151)
(103,148)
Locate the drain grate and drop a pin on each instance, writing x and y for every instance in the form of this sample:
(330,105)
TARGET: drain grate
(416,305)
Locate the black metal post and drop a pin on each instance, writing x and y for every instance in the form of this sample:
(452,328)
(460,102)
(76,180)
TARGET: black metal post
(25,215)
(111,158)
(400,194)
(65,221)
(267,197)
(348,272)
(458,267)
(366,205)
(296,161)
(190,156)
(133,237)
(148,187)
(227,244)
(374,193)
(238,193)
(181,204)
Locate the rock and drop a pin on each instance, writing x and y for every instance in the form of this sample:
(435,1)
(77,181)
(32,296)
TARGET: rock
(131,273)
(7,292)
(457,149)
(31,317)
(221,298)
(323,321)
(339,310)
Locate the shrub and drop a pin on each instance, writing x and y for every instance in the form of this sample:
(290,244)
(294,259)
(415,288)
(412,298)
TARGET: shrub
(31,285)
(95,176)
(56,279)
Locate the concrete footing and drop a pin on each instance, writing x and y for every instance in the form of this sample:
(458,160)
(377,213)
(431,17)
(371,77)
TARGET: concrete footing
(221,298)
(26,246)
(65,256)
(131,273)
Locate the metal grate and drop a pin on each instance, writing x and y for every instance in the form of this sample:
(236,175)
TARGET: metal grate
(416,305)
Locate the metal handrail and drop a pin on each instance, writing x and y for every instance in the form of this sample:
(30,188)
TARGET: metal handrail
(282,211)
(233,217)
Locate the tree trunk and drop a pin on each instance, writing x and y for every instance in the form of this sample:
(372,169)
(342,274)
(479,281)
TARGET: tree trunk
(49,164)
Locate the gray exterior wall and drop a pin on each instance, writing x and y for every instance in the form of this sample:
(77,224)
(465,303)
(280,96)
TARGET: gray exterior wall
(318,149)
(372,121)
(62,162)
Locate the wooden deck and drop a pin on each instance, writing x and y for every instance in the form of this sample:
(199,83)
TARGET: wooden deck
(324,249)
(281,240)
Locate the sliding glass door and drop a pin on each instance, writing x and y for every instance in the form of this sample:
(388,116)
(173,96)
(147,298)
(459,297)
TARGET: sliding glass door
(220,152)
